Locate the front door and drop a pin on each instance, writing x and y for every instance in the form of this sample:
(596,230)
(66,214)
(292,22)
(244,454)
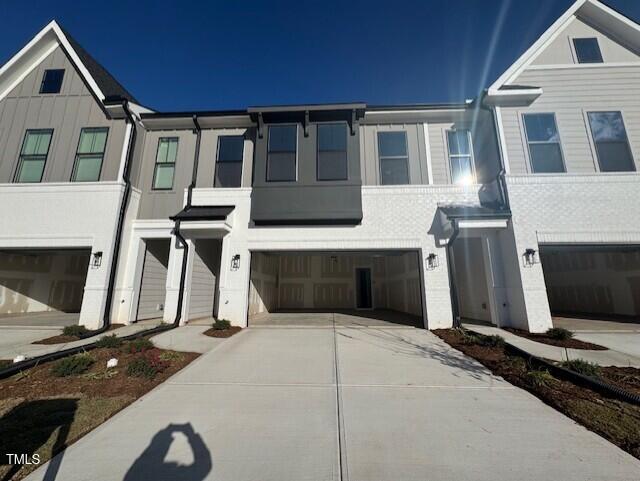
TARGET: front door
(363,288)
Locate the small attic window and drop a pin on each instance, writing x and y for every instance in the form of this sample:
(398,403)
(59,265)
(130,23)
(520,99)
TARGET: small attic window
(52,81)
(587,50)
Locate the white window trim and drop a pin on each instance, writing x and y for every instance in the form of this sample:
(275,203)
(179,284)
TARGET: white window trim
(449,154)
(574,53)
(525,137)
(592,144)
(406,142)
(266,173)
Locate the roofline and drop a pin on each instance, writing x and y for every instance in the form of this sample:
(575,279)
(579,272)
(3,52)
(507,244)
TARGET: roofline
(191,113)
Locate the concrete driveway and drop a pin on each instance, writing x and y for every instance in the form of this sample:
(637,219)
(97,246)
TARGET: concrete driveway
(353,404)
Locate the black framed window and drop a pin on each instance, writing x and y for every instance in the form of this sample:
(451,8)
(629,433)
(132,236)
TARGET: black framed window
(393,157)
(332,152)
(52,81)
(587,50)
(461,156)
(90,154)
(33,155)
(165,167)
(229,161)
(282,153)
(543,140)
(611,142)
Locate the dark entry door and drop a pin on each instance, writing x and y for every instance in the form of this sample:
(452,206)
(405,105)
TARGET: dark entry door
(363,288)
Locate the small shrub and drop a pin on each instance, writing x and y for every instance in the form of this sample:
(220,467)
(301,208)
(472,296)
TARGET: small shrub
(491,341)
(109,342)
(559,333)
(139,345)
(73,365)
(221,324)
(583,367)
(147,365)
(539,378)
(170,356)
(75,330)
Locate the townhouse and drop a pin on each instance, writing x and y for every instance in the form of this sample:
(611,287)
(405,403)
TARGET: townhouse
(504,209)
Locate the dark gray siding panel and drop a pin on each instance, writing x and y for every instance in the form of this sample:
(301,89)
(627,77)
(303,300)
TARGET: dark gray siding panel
(307,200)
(66,113)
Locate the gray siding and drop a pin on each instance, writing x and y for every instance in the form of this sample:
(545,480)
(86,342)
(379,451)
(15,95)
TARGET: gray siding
(560,50)
(569,93)
(66,113)
(206,268)
(153,287)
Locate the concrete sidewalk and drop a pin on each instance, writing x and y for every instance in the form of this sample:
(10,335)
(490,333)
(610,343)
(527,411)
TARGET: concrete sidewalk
(603,358)
(350,404)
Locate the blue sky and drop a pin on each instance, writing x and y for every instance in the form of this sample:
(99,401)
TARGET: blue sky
(224,55)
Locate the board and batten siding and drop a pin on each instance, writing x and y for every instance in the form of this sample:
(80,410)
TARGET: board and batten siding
(66,113)
(570,93)
(205,270)
(153,287)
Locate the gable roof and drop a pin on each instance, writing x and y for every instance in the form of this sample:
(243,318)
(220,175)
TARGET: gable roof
(598,13)
(102,84)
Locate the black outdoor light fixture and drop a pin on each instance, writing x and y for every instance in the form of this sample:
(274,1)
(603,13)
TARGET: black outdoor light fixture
(235,262)
(529,257)
(432,261)
(97,259)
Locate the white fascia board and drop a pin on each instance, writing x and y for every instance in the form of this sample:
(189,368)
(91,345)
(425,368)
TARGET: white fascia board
(512,97)
(483,224)
(538,46)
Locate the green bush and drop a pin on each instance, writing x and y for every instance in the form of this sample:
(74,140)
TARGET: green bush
(73,365)
(221,324)
(147,365)
(490,341)
(75,330)
(170,356)
(539,378)
(139,345)
(583,367)
(559,333)
(109,342)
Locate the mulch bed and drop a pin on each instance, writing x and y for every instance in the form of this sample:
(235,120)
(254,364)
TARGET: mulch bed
(222,332)
(544,339)
(62,339)
(627,378)
(35,404)
(614,420)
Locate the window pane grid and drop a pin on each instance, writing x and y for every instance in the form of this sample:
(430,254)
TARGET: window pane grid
(90,154)
(610,139)
(543,141)
(281,153)
(394,159)
(332,152)
(460,156)
(33,155)
(229,161)
(164,169)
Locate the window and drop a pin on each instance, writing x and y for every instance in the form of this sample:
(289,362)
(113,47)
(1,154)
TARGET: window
(51,81)
(165,163)
(461,156)
(281,156)
(394,161)
(229,161)
(610,139)
(88,163)
(33,155)
(332,152)
(545,153)
(587,50)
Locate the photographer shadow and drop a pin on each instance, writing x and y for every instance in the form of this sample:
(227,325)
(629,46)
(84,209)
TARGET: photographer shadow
(152,465)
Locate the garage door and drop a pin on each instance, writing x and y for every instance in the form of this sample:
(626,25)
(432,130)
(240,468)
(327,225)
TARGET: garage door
(602,281)
(42,280)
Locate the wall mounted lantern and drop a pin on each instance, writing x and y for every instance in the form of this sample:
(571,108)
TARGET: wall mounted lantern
(235,262)
(530,257)
(432,261)
(97,259)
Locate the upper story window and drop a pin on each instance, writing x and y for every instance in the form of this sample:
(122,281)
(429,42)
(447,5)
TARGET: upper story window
(332,152)
(543,139)
(394,159)
(52,81)
(282,153)
(91,146)
(587,50)
(461,156)
(610,139)
(165,163)
(229,161)
(33,155)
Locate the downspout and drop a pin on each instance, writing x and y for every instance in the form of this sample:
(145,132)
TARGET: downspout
(455,307)
(176,230)
(106,318)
